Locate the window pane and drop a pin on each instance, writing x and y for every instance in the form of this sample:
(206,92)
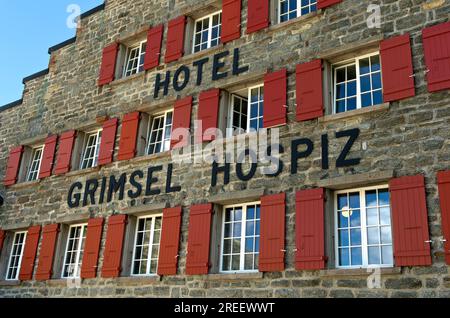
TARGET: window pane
(344,257)
(342,201)
(387,255)
(385,216)
(372,216)
(373,236)
(356,256)
(365,84)
(364,66)
(343,238)
(355,235)
(386,236)
(355,218)
(374,255)
(375,61)
(366,100)
(371,198)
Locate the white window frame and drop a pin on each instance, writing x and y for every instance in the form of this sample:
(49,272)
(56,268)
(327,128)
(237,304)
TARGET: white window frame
(96,149)
(33,169)
(249,103)
(9,267)
(210,17)
(358,81)
(141,53)
(363,211)
(243,237)
(231,130)
(150,129)
(153,217)
(78,259)
(299,10)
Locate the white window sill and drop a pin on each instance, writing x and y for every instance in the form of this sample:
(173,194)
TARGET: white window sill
(81,172)
(6,283)
(23,185)
(197,55)
(122,80)
(359,272)
(154,157)
(355,113)
(235,276)
(138,280)
(299,20)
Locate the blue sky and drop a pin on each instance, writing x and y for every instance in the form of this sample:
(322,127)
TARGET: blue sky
(27,29)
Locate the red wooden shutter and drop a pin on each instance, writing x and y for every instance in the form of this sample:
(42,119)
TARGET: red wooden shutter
(309,90)
(108,68)
(231,20)
(208,111)
(112,255)
(29,253)
(153,50)
(258,15)
(321,4)
(12,169)
(47,252)
(410,221)
(108,141)
(272,233)
(181,119)
(310,230)
(170,238)
(396,61)
(444,195)
(199,237)
(436,44)
(2,238)
(128,136)
(89,263)
(64,157)
(48,157)
(275,91)
(175,39)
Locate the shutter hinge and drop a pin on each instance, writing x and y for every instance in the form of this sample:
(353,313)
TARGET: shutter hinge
(429,241)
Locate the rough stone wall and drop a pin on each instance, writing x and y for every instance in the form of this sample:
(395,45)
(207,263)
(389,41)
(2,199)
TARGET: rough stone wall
(411,137)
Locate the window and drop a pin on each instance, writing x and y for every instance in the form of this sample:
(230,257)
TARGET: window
(238,114)
(363,228)
(15,260)
(74,251)
(91,149)
(240,242)
(35,164)
(207,32)
(255,118)
(357,84)
(146,246)
(159,133)
(291,9)
(134,62)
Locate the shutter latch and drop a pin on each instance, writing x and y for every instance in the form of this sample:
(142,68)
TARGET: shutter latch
(430,241)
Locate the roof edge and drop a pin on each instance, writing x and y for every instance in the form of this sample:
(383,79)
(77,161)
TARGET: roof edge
(35,75)
(11,105)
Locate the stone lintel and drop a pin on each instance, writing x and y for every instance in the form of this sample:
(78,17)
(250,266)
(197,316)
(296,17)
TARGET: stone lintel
(356,180)
(237,197)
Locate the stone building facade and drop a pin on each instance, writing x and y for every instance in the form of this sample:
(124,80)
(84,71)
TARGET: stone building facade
(313,222)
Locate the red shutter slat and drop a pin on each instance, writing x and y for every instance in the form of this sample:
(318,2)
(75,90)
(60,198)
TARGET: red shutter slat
(2,238)
(258,15)
(396,61)
(322,4)
(170,238)
(175,39)
(29,253)
(47,252)
(128,136)
(310,230)
(275,95)
(108,142)
(89,263)
(208,111)
(12,168)
(436,44)
(410,221)
(153,50)
(444,196)
(231,20)
(108,68)
(48,157)
(272,233)
(309,90)
(199,237)
(181,119)
(64,157)
(112,255)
